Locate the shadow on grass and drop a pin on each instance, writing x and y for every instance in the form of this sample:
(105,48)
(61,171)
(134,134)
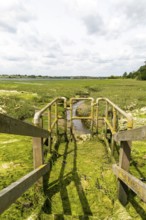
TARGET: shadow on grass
(60,184)
(137,206)
(134,163)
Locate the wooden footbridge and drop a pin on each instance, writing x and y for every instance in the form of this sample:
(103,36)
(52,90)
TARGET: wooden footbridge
(104,115)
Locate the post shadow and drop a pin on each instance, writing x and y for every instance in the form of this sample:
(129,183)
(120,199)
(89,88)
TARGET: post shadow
(51,161)
(83,200)
(137,206)
(59,185)
(138,170)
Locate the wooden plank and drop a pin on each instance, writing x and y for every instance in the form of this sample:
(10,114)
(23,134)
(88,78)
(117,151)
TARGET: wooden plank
(125,151)
(37,152)
(10,125)
(16,189)
(124,162)
(38,155)
(131,135)
(132,182)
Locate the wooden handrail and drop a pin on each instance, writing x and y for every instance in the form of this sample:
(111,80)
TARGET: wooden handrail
(9,194)
(115,109)
(125,179)
(10,125)
(132,182)
(126,115)
(38,114)
(131,135)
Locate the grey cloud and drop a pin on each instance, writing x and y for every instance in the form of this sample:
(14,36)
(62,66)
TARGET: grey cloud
(12,16)
(7,27)
(51,62)
(100,60)
(24,17)
(20,12)
(139,57)
(31,41)
(15,58)
(55,47)
(65,54)
(136,11)
(94,24)
(68,42)
(51,55)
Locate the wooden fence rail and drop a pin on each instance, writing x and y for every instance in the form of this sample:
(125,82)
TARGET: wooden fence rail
(126,180)
(131,135)
(9,194)
(10,125)
(124,138)
(132,182)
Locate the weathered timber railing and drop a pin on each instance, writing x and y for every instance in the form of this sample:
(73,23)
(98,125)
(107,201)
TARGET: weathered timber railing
(126,180)
(38,121)
(10,125)
(51,124)
(13,126)
(111,118)
(90,117)
(124,139)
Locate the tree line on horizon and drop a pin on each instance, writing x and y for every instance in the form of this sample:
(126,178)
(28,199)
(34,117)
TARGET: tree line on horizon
(140,74)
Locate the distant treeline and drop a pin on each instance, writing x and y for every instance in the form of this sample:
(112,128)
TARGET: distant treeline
(18,76)
(140,74)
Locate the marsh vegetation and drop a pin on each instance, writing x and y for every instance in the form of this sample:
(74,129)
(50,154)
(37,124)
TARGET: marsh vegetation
(20,99)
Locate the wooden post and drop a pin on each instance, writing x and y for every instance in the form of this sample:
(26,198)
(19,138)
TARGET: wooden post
(71,115)
(97,115)
(49,127)
(92,115)
(38,157)
(106,116)
(124,161)
(56,117)
(114,125)
(65,119)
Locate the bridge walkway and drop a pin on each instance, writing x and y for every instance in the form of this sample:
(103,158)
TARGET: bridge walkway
(81,183)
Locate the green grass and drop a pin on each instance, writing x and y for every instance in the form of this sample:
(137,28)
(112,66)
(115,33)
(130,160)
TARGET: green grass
(125,93)
(20,99)
(82,183)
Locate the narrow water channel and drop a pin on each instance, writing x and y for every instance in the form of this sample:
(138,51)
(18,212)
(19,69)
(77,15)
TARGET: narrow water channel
(77,124)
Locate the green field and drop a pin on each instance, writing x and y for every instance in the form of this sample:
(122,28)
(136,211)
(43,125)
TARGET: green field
(21,98)
(128,94)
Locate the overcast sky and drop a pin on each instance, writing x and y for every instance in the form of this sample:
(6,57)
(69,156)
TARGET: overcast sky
(72,37)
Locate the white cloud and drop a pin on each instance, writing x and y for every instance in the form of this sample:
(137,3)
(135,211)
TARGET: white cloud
(72,37)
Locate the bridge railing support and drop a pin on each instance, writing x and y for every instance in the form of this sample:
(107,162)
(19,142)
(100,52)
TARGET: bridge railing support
(13,126)
(53,117)
(10,125)
(125,180)
(111,119)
